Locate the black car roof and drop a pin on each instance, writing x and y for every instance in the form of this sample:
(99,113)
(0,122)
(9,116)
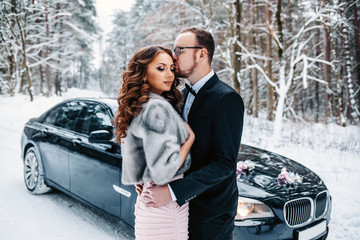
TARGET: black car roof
(110,102)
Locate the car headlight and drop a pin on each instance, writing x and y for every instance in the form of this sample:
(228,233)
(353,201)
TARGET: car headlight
(251,208)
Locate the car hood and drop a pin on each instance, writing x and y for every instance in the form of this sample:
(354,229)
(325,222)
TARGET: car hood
(262,180)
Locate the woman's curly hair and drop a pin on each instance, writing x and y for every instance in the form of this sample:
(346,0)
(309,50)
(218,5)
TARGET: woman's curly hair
(135,91)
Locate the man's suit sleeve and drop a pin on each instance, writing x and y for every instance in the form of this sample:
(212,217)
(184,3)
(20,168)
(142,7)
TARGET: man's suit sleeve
(227,124)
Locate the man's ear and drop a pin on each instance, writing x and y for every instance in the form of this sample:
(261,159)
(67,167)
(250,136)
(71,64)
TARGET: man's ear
(203,53)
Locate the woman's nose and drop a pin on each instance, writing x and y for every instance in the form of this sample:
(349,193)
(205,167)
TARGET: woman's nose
(170,73)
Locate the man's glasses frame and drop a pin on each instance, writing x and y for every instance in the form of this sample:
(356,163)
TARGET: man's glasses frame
(177,50)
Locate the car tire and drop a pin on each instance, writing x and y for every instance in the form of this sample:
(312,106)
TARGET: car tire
(34,172)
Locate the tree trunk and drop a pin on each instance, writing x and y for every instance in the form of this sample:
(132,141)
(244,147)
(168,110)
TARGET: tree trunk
(317,84)
(269,88)
(253,71)
(295,97)
(11,55)
(57,84)
(339,84)
(236,48)
(282,78)
(23,43)
(11,61)
(279,24)
(357,42)
(58,76)
(326,67)
(81,73)
(22,78)
(47,51)
(41,73)
(281,102)
(281,59)
(351,100)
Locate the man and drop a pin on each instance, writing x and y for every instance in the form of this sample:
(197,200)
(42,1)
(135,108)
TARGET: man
(215,113)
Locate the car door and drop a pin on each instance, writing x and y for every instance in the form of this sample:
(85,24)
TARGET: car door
(95,168)
(57,135)
(128,198)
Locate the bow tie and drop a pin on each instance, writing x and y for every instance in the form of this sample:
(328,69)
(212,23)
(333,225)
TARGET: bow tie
(190,89)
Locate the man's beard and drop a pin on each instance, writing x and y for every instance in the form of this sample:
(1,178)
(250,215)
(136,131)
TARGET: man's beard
(186,73)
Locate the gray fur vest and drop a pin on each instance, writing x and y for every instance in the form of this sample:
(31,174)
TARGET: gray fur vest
(150,151)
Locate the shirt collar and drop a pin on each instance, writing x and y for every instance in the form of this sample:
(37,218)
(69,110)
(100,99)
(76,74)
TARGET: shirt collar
(199,84)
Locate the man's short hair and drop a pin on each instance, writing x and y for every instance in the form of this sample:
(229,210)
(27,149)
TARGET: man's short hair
(204,39)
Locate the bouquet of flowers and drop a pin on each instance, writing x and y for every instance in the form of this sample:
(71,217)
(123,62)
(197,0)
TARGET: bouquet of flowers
(288,178)
(244,167)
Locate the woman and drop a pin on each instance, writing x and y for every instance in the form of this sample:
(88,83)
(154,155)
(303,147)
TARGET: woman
(155,141)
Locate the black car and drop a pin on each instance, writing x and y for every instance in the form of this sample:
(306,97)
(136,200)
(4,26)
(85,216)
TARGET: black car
(70,147)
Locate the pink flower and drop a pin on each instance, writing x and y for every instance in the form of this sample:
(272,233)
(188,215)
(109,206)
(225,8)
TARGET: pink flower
(282,178)
(286,177)
(244,167)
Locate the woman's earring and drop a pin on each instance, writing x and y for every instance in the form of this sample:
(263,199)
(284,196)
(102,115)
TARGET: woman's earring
(144,80)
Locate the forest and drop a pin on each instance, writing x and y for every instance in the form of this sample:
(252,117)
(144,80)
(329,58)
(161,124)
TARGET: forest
(289,59)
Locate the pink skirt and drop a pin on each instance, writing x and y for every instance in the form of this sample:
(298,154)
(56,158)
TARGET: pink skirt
(168,222)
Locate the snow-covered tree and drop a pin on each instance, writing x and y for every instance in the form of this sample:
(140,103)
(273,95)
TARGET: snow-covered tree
(288,59)
(151,23)
(295,59)
(49,37)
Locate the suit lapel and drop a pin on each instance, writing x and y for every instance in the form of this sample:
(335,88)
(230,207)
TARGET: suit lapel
(201,95)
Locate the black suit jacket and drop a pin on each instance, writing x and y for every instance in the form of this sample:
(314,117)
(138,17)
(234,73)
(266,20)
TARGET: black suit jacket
(216,117)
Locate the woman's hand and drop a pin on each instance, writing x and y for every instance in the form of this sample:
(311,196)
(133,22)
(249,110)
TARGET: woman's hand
(190,131)
(138,188)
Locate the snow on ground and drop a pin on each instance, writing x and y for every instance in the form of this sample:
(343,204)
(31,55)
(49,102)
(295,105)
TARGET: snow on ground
(331,151)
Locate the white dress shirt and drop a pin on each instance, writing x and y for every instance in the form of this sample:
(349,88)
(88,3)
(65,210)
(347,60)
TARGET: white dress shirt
(190,97)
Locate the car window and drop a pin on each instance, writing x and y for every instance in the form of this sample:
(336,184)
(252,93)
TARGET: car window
(96,118)
(51,117)
(69,114)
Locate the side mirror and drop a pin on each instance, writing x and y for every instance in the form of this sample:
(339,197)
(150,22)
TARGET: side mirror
(101,136)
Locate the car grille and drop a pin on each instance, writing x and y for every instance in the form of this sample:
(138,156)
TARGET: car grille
(321,204)
(301,211)
(298,212)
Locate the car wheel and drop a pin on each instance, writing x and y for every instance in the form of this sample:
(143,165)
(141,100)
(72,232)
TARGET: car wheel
(34,173)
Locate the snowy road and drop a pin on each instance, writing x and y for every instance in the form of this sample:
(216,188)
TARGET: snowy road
(51,216)
(56,216)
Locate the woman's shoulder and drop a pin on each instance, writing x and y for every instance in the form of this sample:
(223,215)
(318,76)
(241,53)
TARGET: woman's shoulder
(156,103)
(156,112)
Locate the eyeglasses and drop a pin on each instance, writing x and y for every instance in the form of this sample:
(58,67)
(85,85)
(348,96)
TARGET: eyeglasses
(177,50)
